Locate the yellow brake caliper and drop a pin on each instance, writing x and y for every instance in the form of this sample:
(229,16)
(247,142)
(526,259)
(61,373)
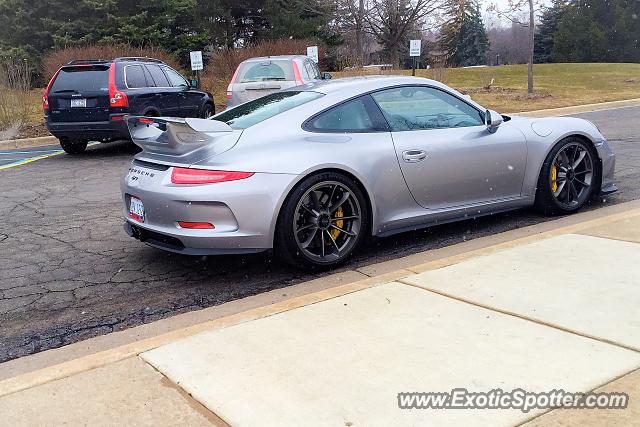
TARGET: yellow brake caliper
(554,178)
(335,232)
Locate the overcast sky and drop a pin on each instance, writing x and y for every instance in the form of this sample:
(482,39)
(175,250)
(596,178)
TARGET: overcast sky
(490,19)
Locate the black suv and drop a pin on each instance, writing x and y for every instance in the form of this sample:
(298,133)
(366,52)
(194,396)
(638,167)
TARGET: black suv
(87,100)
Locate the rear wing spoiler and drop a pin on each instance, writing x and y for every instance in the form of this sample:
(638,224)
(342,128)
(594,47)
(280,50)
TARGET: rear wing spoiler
(173,136)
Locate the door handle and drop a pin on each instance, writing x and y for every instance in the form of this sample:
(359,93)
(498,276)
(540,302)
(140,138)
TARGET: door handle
(414,156)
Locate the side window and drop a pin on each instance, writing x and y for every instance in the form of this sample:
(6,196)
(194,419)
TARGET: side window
(357,115)
(420,108)
(134,76)
(316,70)
(175,78)
(308,75)
(147,76)
(158,76)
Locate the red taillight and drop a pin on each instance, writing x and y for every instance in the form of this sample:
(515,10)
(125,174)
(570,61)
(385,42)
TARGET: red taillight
(196,225)
(296,74)
(117,118)
(145,121)
(45,96)
(233,80)
(116,98)
(202,176)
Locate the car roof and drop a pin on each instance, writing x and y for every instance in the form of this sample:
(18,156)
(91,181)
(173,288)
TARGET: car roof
(282,57)
(348,87)
(361,84)
(119,59)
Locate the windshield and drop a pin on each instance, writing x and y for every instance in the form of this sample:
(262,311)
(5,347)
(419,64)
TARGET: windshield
(265,70)
(252,112)
(79,79)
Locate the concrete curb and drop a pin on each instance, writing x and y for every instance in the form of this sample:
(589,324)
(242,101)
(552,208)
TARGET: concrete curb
(102,358)
(586,108)
(50,140)
(13,144)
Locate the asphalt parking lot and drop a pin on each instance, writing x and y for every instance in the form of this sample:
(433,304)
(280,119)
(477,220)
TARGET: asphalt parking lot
(68,271)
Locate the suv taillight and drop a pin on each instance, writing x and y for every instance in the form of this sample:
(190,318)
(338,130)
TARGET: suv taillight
(45,95)
(117,98)
(230,87)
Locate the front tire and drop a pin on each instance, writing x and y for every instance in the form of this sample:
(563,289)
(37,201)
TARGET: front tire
(322,222)
(73,146)
(568,177)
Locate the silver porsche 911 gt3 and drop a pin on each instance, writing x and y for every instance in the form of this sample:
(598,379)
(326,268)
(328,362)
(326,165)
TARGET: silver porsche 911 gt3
(313,170)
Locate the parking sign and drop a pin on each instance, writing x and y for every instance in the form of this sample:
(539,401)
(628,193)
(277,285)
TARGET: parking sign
(415,47)
(196,60)
(312,52)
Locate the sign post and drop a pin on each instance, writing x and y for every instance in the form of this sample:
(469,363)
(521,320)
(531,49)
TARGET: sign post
(312,52)
(415,48)
(196,64)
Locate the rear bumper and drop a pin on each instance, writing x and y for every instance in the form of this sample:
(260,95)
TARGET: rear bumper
(180,244)
(99,131)
(243,212)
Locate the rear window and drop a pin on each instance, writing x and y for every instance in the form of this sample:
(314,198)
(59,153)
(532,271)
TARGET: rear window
(255,71)
(79,79)
(256,111)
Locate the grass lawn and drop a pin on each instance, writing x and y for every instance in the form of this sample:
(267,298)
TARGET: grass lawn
(556,85)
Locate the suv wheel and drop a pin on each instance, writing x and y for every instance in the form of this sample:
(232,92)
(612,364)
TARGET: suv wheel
(207,111)
(73,146)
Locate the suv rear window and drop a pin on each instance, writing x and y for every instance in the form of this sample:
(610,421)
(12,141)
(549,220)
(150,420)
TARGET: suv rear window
(261,109)
(84,78)
(255,71)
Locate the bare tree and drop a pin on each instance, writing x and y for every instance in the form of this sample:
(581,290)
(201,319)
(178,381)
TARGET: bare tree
(513,14)
(353,25)
(390,21)
(509,45)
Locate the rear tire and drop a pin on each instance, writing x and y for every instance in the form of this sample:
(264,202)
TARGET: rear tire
(73,146)
(207,111)
(574,180)
(322,222)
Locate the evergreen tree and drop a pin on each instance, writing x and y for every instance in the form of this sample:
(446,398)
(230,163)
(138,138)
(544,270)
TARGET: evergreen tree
(598,31)
(463,36)
(544,37)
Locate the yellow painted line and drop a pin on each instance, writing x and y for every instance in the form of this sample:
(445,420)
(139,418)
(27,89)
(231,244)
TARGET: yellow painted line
(34,159)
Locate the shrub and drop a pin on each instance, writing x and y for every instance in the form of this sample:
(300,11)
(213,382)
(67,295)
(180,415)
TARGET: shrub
(53,60)
(16,101)
(223,63)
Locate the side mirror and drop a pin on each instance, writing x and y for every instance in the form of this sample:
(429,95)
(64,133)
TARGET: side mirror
(326,76)
(492,120)
(194,83)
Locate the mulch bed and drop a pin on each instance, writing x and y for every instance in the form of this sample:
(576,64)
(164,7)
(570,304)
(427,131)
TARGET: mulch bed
(32,131)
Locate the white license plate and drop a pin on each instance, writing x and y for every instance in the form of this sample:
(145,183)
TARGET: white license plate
(78,103)
(136,209)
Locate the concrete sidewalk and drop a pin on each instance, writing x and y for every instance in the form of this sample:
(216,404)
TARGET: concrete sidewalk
(555,310)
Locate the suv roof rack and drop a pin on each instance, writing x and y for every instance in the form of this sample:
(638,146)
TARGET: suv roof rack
(87,61)
(138,58)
